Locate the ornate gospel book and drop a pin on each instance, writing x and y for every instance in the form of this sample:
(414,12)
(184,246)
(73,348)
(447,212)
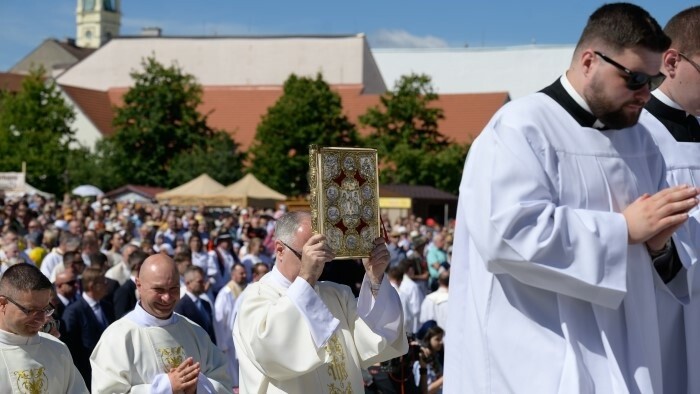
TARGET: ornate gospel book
(344,198)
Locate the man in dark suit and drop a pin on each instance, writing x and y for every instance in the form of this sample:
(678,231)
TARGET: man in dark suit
(125,296)
(192,306)
(86,319)
(66,286)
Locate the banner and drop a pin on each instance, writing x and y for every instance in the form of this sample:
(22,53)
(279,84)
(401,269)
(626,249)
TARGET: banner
(12,181)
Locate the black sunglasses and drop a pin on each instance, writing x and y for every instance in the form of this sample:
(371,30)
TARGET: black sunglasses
(293,251)
(635,80)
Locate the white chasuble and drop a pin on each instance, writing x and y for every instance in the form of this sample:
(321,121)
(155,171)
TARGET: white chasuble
(37,365)
(134,355)
(552,298)
(292,338)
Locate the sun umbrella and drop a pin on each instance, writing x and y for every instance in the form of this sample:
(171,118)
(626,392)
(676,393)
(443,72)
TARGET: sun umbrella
(87,191)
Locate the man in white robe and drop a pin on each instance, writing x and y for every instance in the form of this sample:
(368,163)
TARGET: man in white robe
(224,317)
(434,306)
(30,358)
(672,119)
(296,335)
(556,223)
(158,351)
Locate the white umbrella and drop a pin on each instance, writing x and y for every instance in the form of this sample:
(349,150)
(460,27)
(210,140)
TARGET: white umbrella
(87,191)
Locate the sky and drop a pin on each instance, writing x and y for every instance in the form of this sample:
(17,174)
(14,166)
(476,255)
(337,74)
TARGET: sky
(24,24)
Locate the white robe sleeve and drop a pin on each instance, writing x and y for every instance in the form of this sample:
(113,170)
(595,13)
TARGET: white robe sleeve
(523,230)
(271,323)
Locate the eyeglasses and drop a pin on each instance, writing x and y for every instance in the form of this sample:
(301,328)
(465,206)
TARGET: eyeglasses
(635,80)
(293,251)
(697,66)
(48,311)
(69,283)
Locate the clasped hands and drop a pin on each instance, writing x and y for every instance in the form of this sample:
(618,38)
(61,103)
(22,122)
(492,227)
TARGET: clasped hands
(652,219)
(183,379)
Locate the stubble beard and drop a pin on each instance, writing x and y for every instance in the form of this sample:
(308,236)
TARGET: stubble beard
(613,116)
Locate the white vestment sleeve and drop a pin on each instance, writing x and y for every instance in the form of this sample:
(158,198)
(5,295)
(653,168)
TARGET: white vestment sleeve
(320,320)
(268,323)
(383,315)
(524,231)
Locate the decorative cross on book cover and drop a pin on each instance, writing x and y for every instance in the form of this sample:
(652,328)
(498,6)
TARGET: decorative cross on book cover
(344,198)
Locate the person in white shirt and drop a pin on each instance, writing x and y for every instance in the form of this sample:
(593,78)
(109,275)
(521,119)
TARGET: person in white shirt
(327,335)
(562,207)
(160,351)
(28,357)
(224,309)
(434,306)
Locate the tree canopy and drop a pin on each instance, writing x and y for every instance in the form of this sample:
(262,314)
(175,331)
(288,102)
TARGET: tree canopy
(162,138)
(308,112)
(35,128)
(405,132)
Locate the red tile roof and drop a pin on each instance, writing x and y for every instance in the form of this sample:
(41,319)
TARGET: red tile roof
(96,105)
(238,110)
(145,191)
(11,81)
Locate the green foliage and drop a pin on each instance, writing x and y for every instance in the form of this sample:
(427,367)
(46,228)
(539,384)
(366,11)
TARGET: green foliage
(161,138)
(35,128)
(308,112)
(220,159)
(405,133)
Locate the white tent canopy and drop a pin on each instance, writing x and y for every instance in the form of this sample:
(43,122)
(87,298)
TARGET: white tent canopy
(192,192)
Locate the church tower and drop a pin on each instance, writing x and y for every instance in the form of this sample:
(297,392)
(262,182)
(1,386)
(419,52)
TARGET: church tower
(97,22)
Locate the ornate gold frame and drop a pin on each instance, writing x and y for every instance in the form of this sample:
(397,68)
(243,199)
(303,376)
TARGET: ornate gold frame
(344,198)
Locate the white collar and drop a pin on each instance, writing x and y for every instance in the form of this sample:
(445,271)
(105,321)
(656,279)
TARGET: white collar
(661,96)
(90,300)
(9,338)
(578,99)
(143,318)
(64,300)
(276,277)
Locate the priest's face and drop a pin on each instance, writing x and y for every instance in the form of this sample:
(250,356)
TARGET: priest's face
(159,289)
(607,94)
(25,316)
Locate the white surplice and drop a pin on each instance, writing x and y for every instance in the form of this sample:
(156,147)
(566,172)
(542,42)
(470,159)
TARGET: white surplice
(679,301)
(135,353)
(292,338)
(552,298)
(40,362)
(223,328)
(434,307)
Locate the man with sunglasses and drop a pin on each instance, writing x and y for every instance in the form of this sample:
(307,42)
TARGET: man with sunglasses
(28,357)
(563,205)
(294,334)
(673,117)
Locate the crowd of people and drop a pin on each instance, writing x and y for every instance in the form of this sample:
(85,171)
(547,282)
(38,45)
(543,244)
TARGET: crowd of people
(91,251)
(573,256)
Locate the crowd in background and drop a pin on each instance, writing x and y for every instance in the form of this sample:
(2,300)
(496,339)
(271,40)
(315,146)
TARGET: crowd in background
(91,250)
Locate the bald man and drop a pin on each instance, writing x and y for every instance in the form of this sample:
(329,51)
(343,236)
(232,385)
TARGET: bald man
(159,351)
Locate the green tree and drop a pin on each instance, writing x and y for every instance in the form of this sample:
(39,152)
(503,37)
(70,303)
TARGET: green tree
(35,128)
(308,112)
(159,129)
(405,132)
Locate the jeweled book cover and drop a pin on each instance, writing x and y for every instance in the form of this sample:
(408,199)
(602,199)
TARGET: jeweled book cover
(344,198)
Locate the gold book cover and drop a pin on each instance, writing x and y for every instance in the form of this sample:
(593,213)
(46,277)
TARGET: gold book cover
(344,198)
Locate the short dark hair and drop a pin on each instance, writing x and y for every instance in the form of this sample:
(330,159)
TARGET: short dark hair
(194,268)
(23,277)
(684,31)
(90,276)
(71,257)
(233,267)
(98,259)
(183,256)
(136,258)
(396,272)
(624,25)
